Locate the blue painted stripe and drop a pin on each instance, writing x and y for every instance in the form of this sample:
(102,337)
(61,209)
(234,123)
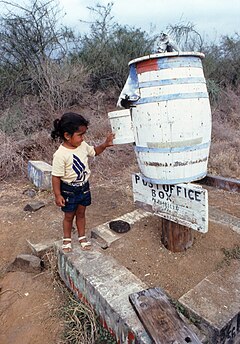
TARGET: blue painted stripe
(172,149)
(179,63)
(133,77)
(174,181)
(172,81)
(175,96)
(78,167)
(178,58)
(78,163)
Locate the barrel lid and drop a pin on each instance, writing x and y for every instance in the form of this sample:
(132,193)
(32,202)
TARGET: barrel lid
(173,54)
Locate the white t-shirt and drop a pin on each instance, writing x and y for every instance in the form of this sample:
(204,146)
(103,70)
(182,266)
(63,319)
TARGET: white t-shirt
(72,164)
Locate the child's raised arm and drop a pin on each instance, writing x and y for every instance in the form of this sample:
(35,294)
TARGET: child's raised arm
(107,143)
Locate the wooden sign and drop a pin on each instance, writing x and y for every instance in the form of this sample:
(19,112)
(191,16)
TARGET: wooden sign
(160,319)
(186,204)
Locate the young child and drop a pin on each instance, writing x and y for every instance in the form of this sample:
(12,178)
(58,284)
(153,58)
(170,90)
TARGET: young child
(70,174)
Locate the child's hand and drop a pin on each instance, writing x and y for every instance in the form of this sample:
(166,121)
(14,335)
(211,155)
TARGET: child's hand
(107,143)
(60,201)
(109,140)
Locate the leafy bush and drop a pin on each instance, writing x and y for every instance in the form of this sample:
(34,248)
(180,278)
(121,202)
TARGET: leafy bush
(214,91)
(222,62)
(30,38)
(108,48)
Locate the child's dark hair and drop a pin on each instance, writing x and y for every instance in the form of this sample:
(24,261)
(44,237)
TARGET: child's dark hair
(68,123)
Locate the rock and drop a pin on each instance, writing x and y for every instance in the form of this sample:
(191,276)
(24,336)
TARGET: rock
(34,206)
(27,263)
(41,249)
(119,226)
(30,192)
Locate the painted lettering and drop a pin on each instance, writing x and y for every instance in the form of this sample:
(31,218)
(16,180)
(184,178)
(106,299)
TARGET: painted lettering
(165,187)
(144,182)
(178,190)
(165,205)
(166,191)
(175,200)
(168,188)
(137,178)
(229,332)
(168,197)
(238,323)
(161,194)
(197,196)
(185,192)
(189,194)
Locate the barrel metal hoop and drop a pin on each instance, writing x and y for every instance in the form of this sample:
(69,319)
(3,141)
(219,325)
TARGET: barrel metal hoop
(176,96)
(165,82)
(172,149)
(174,181)
(180,63)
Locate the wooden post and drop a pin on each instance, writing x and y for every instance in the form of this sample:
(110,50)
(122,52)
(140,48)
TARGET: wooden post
(175,237)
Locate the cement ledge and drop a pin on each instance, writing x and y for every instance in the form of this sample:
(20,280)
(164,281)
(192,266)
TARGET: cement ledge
(215,303)
(107,236)
(99,280)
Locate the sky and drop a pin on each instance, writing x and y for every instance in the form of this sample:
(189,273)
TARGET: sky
(212,18)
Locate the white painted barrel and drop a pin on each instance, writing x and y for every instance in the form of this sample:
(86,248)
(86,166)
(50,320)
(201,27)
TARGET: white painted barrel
(121,124)
(172,118)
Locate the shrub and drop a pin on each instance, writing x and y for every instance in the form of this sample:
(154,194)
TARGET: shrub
(108,48)
(65,84)
(222,62)
(12,160)
(30,38)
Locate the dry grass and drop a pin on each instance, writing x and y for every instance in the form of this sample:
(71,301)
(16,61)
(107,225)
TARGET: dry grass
(79,320)
(11,162)
(80,323)
(65,84)
(24,143)
(224,155)
(229,255)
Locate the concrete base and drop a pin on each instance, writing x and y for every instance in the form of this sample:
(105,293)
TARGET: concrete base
(40,174)
(218,216)
(100,281)
(105,236)
(215,302)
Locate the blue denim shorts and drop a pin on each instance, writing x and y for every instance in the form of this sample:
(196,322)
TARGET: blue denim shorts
(75,195)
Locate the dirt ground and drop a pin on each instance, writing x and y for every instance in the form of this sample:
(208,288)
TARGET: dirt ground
(29,302)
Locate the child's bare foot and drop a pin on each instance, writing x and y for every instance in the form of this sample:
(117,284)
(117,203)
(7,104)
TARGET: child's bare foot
(85,245)
(67,246)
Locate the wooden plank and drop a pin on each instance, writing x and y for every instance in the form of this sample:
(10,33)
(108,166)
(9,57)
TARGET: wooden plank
(160,318)
(186,204)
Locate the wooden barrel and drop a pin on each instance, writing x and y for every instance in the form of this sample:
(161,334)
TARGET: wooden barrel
(172,119)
